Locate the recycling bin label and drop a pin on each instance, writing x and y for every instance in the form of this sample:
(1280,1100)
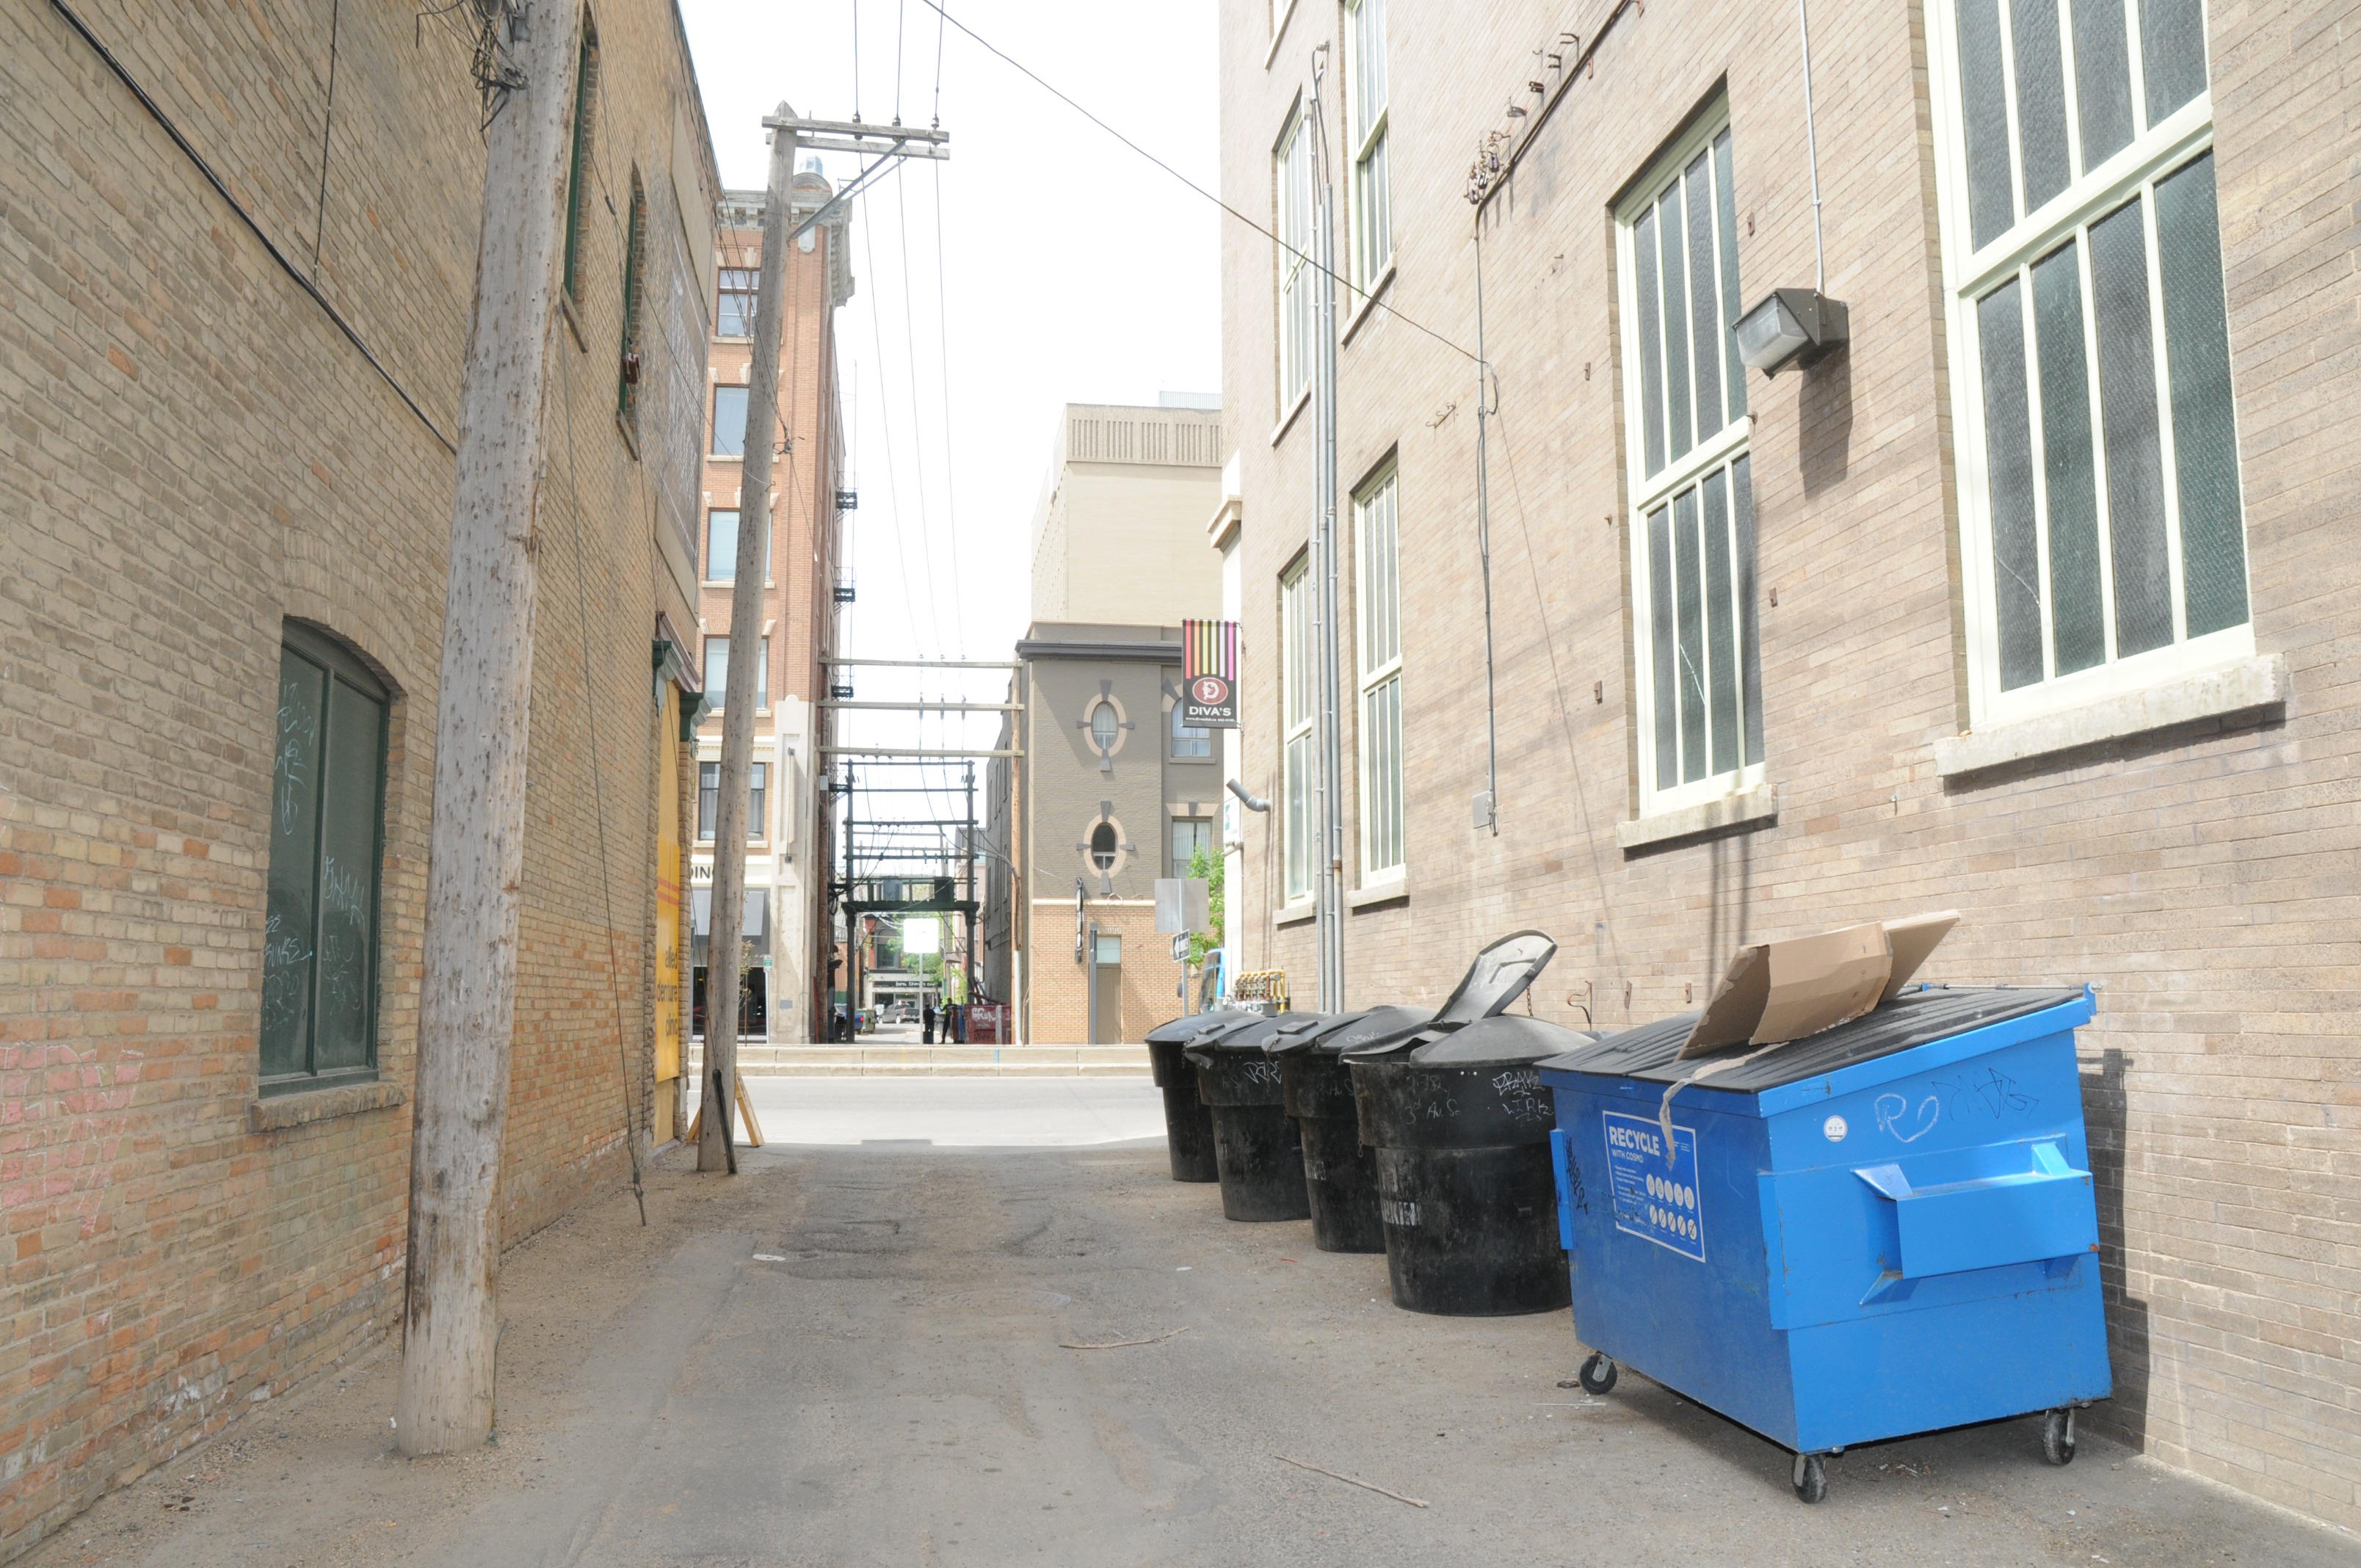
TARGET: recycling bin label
(1655,1191)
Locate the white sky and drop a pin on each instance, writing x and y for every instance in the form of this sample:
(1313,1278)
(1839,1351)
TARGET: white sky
(1073,271)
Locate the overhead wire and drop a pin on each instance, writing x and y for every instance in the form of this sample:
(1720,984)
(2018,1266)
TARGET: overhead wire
(1055,91)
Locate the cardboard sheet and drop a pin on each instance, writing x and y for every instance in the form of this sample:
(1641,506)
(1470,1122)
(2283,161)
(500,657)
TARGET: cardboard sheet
(1776,991)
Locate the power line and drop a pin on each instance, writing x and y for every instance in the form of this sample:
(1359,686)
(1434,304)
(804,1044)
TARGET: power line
(950,481)
(917,418)
(1054,92)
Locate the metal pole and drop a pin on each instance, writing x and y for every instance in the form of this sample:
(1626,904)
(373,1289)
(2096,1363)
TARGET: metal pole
(1484,548)
(967,991)
(1328,805)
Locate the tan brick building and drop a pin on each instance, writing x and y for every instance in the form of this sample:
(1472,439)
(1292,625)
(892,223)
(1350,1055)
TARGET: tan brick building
(230,355)
(1111,792)
(788,859)
(2035,600)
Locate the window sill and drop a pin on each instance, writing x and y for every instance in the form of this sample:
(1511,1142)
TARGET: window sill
(1278,430)
(1393,890)
(1278,31)
(725,457)
(631,436)
(2243,685)
(304,1106)
(573,320)
(1756,807)
(1296,914)
(1369,303)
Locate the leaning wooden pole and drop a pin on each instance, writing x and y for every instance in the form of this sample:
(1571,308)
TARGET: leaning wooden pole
(467,997)
(724,950)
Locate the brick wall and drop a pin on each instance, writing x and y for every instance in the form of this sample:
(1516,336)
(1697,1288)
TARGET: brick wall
(2202,876)
(190,453)
(1059,987)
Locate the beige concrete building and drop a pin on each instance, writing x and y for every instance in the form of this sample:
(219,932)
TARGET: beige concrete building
(2035,600)
(241,248)
(1111,792)
(787,924)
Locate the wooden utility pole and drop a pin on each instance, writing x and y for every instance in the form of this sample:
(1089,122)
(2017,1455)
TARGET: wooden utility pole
(467,998)
(724,949)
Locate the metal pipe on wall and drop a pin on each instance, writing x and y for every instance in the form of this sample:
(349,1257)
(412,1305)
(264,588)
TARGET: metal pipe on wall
(1328,729)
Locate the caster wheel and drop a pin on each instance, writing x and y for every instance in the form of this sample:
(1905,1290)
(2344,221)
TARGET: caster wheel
(1811,1477)
(1597,1374)
(2057,1436)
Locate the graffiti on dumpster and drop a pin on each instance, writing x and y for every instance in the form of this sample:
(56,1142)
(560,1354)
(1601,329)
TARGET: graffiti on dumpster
(1521,1100)
(1894,1116)
(1987,1092)
(1655,1188)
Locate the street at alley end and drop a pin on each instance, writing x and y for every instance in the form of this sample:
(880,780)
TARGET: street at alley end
(1833,1205)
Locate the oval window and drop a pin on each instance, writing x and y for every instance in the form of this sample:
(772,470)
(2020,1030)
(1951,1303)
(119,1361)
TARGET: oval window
(1103,846)
(1103,726)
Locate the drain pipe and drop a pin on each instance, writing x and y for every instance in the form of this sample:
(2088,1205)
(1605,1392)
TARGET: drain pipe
(1487,805)
(1812,151)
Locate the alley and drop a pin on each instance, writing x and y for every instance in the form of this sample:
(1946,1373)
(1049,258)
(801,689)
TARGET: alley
(862,1354)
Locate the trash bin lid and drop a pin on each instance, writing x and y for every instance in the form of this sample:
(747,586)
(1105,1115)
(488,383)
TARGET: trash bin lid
(1915,1018)
(1509,1040)
(1259,1032)
(1182,1030)
(1339,1030)
(1497,977)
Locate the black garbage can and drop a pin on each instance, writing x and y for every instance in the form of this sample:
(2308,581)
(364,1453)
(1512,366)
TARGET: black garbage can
(1460,1124)
(1188,1124)
(1340,1179)
(1256,1148)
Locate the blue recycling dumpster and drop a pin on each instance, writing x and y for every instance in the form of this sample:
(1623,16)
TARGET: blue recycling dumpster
(1885,1229)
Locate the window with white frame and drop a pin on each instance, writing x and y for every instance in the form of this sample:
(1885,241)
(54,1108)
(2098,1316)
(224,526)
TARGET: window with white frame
(1295,708)
(2103,534)
(1373,233)
(1190,743)
(1692,518)
(1378,600)
(1292,175)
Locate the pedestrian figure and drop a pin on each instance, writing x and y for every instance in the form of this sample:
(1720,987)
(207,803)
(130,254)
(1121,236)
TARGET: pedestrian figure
(926,1025)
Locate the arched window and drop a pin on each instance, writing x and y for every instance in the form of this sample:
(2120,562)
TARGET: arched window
(1104,727)
(1103,846)
(327,814)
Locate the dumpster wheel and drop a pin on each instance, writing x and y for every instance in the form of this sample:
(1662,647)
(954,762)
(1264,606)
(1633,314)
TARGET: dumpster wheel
(1811,1477)
(1597,1374)
(2058,1436)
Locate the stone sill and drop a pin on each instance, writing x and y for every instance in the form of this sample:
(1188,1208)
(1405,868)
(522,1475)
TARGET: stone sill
(283,1111)
(1295,914)
(2243,685)
(1302,400)
(1368,304)
(1395,890)
(1754,807)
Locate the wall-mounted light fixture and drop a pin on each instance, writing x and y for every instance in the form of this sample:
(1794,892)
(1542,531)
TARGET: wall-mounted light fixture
(1792,327)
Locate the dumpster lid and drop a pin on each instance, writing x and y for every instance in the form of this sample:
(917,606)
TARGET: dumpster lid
(1506,1040)
(1652,1052)
(1497,977)
(1180,1031)
(1287,1042)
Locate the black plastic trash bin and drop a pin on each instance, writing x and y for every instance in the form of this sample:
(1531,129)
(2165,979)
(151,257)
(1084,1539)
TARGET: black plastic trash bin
(1256,1148)
(1340,1179)
(1460,1126)
(1188,1124)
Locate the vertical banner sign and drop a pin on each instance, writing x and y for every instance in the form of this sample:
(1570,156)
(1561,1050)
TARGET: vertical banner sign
(1209,674)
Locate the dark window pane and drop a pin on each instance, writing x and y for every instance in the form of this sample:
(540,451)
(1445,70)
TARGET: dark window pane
(717,673)
(2197,359)
(1705,318)
(2172,54)
(1721,627)
(1991,207)
(1679,423)
(728,422)
(348,860)
(1651,361)
(2102,79)
(2040,99)
(1689,595)
(290,924)
(1660,646)
(709,797)
(1733,304)
(758,779)
(2008,458)
(721,546)
(2127,424)
(1750,644)
(2077,613)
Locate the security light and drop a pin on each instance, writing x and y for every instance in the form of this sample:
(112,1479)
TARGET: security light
(1794,326)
